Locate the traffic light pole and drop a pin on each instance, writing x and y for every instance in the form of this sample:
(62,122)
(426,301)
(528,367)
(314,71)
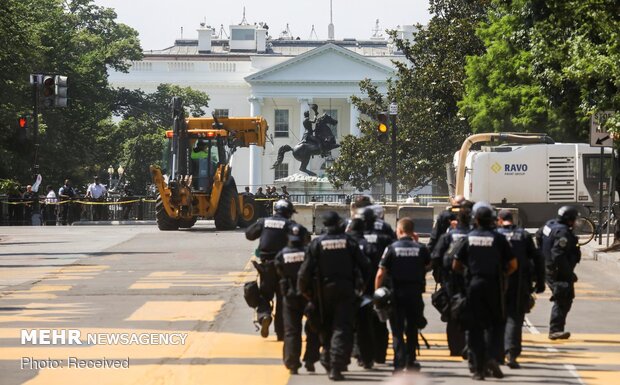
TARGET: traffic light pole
(394,172)
(35,121)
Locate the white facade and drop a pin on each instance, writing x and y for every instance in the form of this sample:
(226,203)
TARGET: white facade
(283,81)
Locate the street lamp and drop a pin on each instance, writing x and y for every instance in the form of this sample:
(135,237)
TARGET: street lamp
(111,173)
(120,171)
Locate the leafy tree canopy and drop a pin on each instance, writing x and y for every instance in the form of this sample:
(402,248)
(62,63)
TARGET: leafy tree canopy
(427,87)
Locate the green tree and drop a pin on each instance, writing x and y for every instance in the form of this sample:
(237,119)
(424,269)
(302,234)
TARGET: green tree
(548,66)
(138,140)
(427,87)
(74,38)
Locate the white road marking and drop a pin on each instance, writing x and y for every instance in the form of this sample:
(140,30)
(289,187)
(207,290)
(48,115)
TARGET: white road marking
(569,367)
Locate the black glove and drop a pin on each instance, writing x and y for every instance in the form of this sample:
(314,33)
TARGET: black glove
(540,287)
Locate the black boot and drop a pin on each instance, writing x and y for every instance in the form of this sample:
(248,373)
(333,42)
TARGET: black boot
(335,375)
(512,361)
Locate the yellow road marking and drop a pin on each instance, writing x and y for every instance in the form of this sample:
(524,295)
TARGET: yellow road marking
(177,311)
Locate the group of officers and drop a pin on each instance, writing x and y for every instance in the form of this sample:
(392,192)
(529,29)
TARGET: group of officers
(358,274)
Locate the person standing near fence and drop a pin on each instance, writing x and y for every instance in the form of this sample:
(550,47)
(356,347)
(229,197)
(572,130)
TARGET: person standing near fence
(51,205)
(96,192)
(66,194)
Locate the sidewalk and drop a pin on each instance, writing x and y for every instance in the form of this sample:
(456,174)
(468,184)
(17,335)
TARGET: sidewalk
(591,251)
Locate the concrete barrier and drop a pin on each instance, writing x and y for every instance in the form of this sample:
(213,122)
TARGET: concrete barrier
(390,214)
(320,208)
(421,215)
(304,215)
(438,207)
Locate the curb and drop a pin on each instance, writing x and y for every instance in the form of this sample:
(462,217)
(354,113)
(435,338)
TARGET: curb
(108,223)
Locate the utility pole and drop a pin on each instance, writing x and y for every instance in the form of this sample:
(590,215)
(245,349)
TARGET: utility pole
(35,80)
(393,114)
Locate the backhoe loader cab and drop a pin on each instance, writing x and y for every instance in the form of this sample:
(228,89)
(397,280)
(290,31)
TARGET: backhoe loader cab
(200,184)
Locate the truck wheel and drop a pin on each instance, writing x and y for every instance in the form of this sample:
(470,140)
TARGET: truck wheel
(249,212)
(187,223)
(227,214)
(164,222)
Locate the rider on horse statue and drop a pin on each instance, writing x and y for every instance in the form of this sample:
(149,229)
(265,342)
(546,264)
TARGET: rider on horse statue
(317,141)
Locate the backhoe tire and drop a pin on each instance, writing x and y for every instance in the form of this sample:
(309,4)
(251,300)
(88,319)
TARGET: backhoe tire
(249,212)
(164,222)
(227,214)
(187,223)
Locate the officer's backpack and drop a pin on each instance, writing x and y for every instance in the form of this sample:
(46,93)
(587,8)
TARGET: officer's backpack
(251,293)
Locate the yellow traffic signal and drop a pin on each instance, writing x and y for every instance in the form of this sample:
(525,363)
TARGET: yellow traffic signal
(383,127)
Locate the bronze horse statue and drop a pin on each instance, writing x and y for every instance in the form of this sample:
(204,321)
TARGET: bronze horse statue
(320,144)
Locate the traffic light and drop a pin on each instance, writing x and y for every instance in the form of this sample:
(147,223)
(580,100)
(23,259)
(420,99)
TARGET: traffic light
(55,91)
(49,90)
(382,128)
(22,123)
(60,83)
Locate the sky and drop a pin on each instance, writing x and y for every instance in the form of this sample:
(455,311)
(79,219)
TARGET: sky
(159,22)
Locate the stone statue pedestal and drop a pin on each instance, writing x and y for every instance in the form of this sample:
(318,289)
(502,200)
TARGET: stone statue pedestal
(303,187)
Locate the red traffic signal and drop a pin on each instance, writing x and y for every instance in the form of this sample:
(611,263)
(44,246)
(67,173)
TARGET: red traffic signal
(23,122)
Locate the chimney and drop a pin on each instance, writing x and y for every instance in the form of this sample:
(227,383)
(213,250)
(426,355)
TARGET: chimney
(261,40)
(204,39)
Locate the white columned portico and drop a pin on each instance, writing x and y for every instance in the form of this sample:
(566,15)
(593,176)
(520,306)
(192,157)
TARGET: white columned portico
(256,163)
(354,129)
(304,105)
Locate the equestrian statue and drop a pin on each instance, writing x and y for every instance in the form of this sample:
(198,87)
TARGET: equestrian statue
(317,141)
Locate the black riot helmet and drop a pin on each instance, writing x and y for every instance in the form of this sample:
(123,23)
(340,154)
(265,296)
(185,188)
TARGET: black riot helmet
(333,222)
(284,208)
(484,215)
(567,214)
(297,235)
(382,301)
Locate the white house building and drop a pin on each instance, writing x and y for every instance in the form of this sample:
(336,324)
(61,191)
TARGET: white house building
(251,74)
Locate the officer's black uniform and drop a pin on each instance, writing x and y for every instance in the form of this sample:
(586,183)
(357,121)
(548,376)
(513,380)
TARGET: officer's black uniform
(287,263)
(335,261)
(405,261)
(453,283)
(273,233)
(486,254)
(442,224)
(560,248)
(373,336)
(530,269)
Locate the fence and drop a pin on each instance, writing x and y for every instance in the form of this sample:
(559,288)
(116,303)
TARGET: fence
(20,212)
(23,212)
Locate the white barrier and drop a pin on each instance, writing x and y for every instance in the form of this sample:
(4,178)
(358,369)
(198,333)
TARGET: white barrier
(304,215)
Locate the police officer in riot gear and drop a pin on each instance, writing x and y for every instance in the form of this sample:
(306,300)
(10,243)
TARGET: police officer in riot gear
(287,264)
(273,232)
(530,270)
(442,224)
(406,261)
(333,274)
(488,257)
(451,282)
(373,335)
(559,246)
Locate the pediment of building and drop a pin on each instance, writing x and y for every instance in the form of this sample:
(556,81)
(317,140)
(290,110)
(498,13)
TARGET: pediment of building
(326,64)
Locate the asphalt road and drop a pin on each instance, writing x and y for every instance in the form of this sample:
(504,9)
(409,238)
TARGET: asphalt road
(106,280)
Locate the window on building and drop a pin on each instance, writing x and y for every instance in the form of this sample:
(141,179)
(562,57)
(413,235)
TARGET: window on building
(220,112)
(281,124)
(281,171)
(334,114)
(242,34)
